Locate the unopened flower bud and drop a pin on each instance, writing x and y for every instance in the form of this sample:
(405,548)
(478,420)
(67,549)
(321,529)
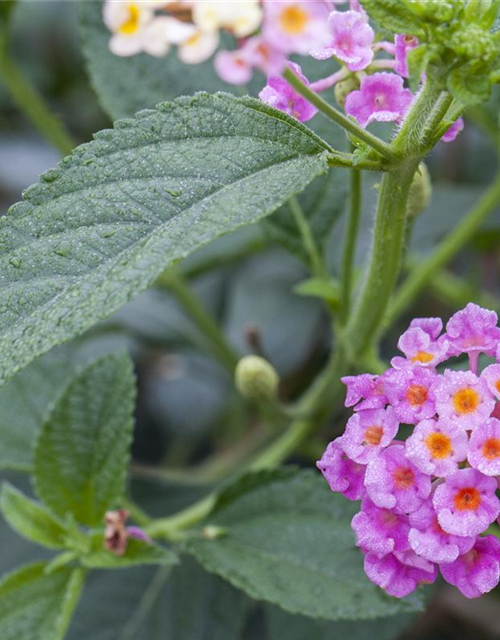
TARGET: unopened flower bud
(256,379)
(420,191)
(343,89)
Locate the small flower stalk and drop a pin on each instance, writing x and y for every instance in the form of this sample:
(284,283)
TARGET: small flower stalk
(427,501)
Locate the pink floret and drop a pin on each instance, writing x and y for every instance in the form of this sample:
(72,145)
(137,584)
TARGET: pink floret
(484,448)
(342,474)
(454,130)
(368,432)
(351,40)
(393,482)
(463,397)
(491,375)
(473,329)
(431,326)
(395,576)
(428,540)
(466,503)
(380,531)
(403,44)
(366,387)
(436,447)
(280,95)
(381,97)
(411,393)
(477,571)
(420,349)
(313,30)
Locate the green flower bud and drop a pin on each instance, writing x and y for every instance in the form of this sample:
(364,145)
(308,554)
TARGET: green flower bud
(256,379)
(344,87)
(420,191)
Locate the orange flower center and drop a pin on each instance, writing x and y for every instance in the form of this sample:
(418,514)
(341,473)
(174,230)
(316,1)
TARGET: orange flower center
(491,448)
(131,25)
(467,499)
(293,20)
(466,400)
(422,356)
(403,478)
(497,385)
(373,435)
(439,445)
(416,395)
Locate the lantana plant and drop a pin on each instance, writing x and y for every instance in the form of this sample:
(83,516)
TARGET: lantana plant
(210,102)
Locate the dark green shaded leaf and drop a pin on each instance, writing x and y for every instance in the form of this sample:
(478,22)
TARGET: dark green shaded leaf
(30,519)
(102,226)
(37,606)
(185,604)
(282,625)
(394,16)
(83,450)
(289,542)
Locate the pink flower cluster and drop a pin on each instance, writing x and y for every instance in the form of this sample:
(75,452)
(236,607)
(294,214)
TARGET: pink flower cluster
(266,33)
(427,501)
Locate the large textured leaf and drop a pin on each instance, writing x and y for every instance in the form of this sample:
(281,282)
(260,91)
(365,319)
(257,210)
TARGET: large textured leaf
(82,452)
(147,604)
(35,606)
(289,542)
(102,226)
(125,85)
(284,625)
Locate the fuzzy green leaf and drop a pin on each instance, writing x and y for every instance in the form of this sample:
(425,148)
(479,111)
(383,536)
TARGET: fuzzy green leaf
(394,16)
(470,83)
(38,606)
(30,519)
(82,452)
(104,224)
(137,553)
(289,542)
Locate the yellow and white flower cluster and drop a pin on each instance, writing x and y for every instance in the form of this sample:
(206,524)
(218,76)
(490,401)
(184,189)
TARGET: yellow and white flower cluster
(154,26)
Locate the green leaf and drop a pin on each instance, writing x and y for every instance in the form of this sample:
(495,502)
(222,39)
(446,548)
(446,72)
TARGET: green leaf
(26,401)
(394,16)
(144,604)
(283,625)
(318,288)
(470,83)
(30,519)
(82,452)
(289,542)
(120,209)
(37,606)
(137,553)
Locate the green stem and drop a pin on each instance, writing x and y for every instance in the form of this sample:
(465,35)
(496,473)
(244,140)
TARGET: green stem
(389,235)
(140,516)
(390,224)
(316,263)
(350,236)
(31,103)
(456,292)
(451,245)
(349,161)
(177,285)
(315,405)
(340,119)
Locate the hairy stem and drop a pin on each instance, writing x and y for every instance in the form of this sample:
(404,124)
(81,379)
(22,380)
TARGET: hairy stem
(177,285)
(421,275)
(31,103)
(316,263)
(349,246)
(339,118)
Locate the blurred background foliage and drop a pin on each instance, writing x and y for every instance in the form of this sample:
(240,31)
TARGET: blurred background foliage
(191,424)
